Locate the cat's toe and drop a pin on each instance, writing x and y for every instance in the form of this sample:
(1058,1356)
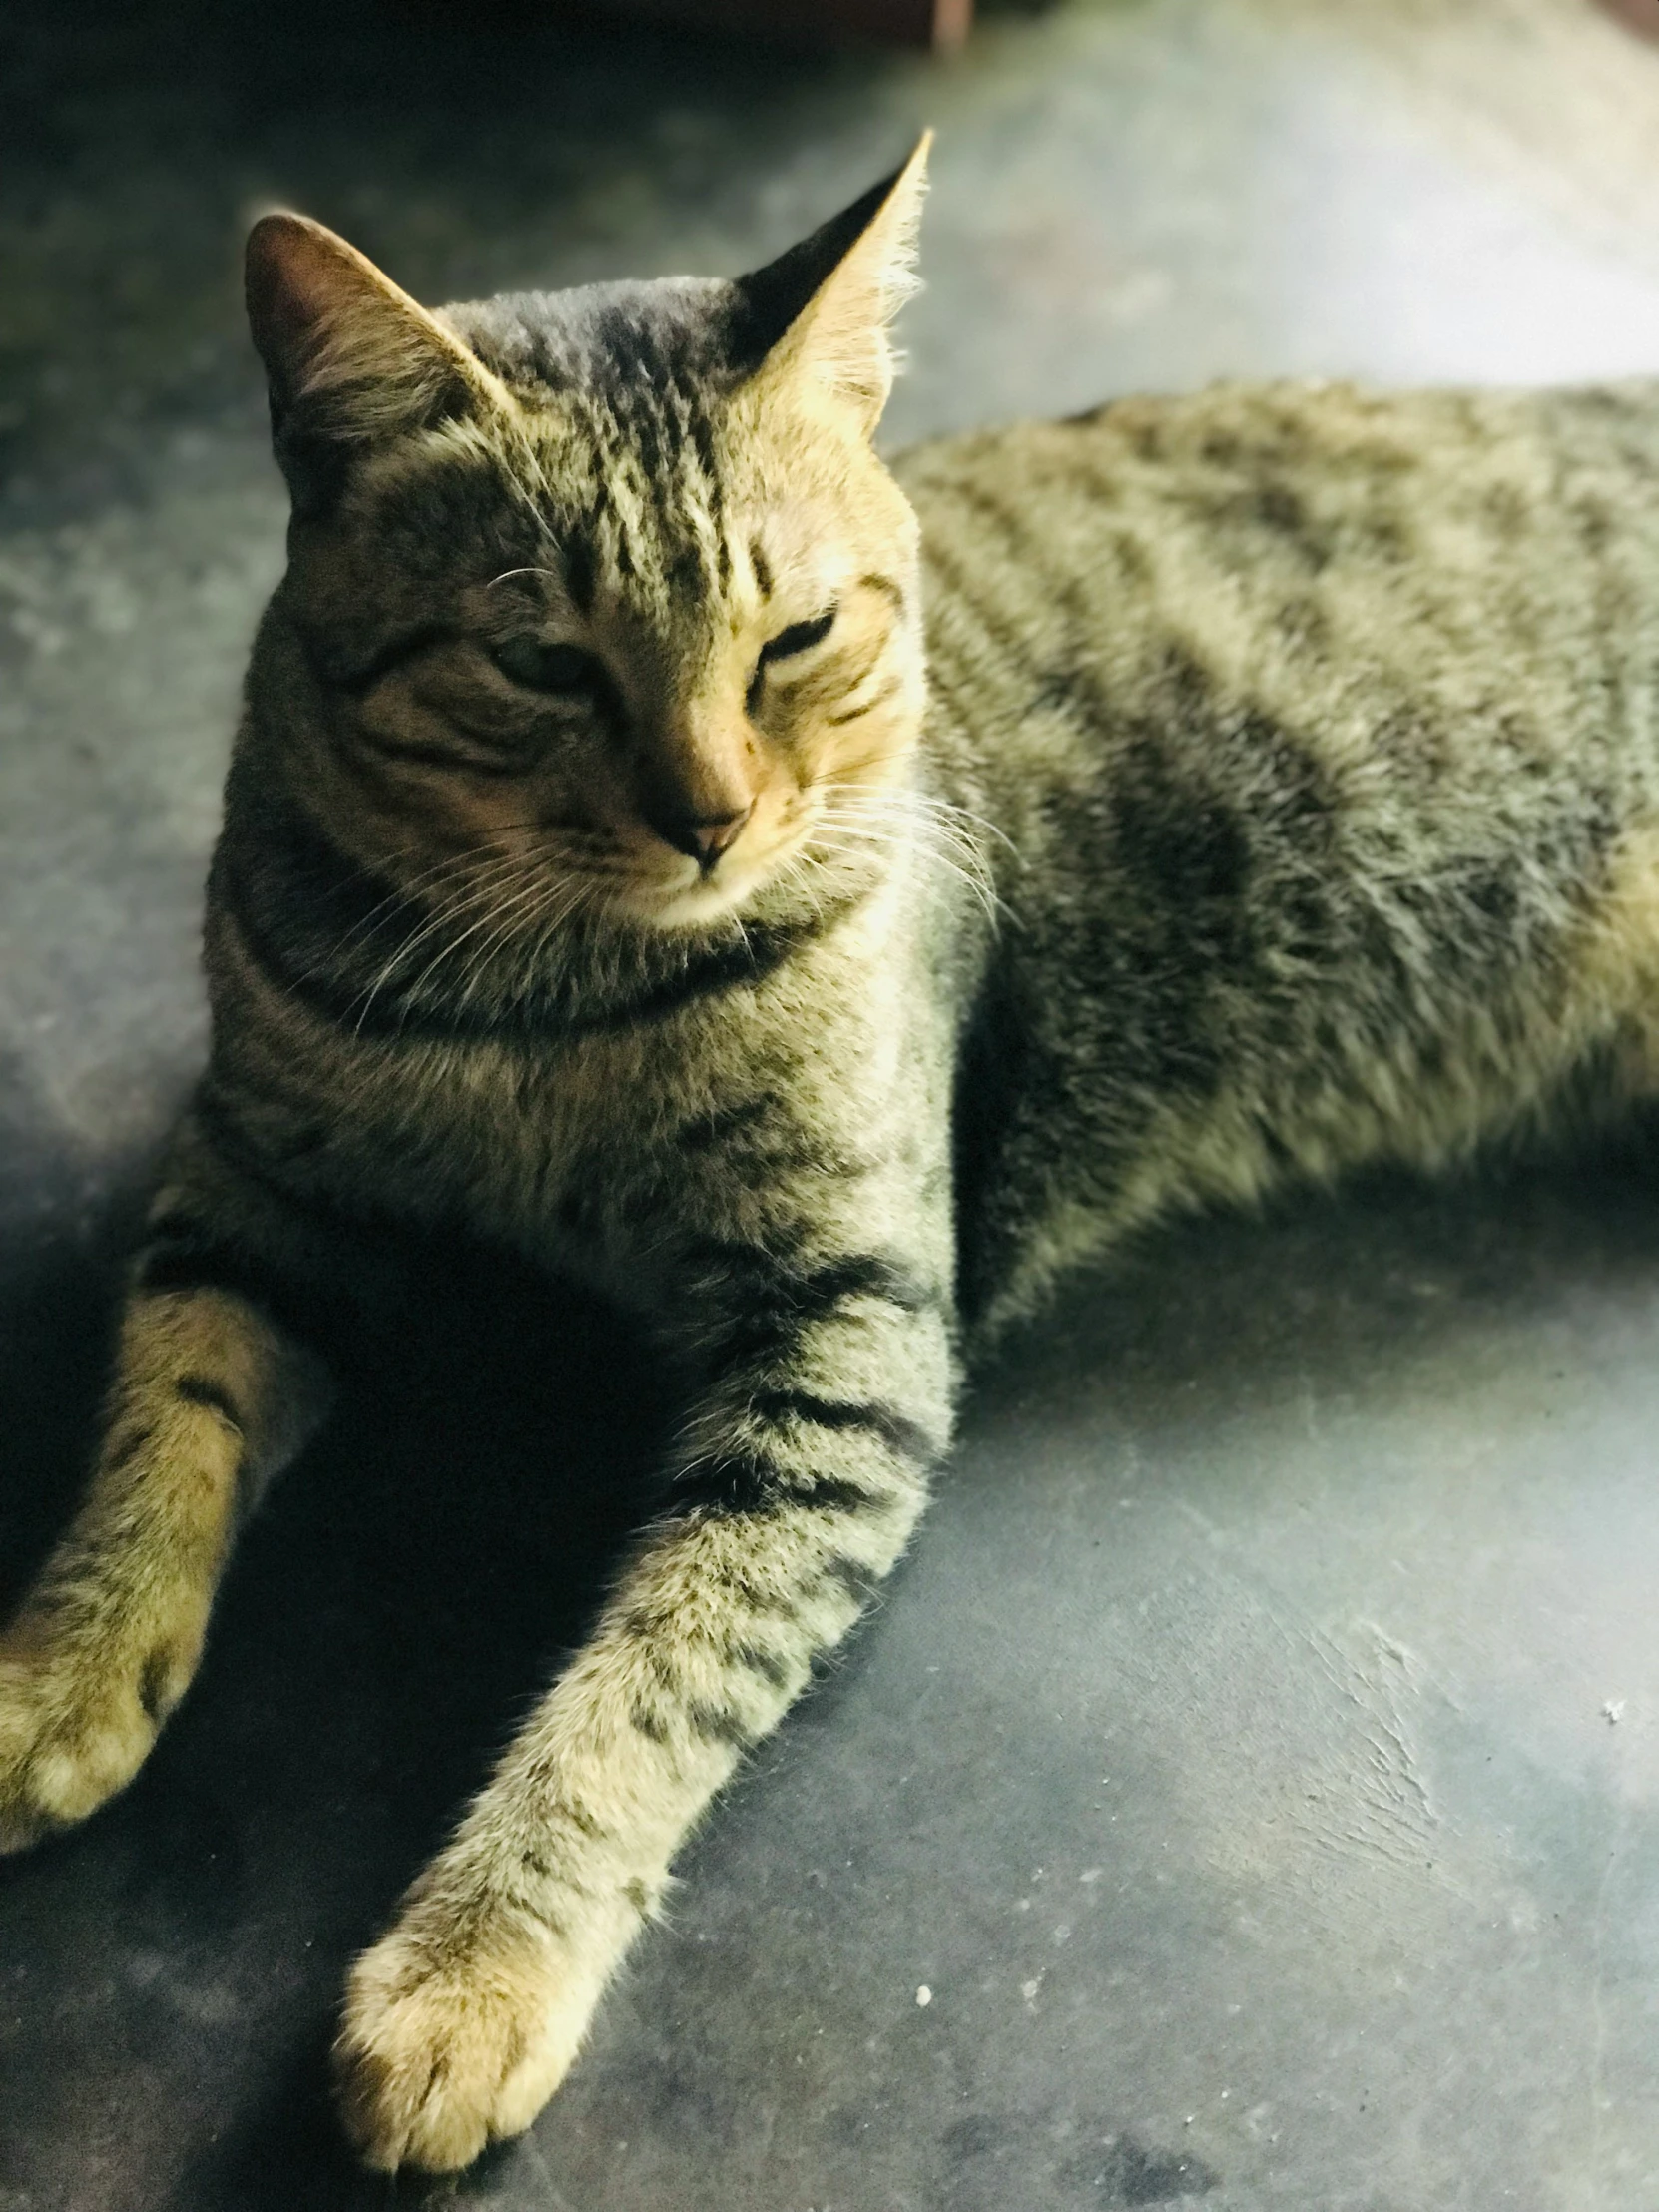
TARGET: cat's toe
(24,1818)
(439,2055)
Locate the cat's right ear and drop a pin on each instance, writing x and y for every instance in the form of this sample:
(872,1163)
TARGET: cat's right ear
(351,359)
(819,314)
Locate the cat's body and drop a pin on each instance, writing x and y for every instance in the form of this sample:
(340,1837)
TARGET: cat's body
(1320,734)
(1287,795)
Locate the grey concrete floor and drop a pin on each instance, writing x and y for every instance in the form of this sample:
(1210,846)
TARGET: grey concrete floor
(1259,1761)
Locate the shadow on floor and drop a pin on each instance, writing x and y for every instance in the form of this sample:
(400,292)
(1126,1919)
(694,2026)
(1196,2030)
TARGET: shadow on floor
(402,1595)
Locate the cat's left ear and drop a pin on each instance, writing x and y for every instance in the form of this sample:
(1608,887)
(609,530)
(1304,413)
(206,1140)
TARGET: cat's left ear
(821,311)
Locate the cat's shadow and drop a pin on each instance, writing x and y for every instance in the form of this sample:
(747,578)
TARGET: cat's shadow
(402,1595)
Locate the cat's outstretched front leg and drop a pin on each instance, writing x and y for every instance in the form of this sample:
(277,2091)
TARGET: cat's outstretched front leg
(804,1475)
(210,1393)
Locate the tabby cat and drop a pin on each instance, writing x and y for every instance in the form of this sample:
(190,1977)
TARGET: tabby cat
(816,904)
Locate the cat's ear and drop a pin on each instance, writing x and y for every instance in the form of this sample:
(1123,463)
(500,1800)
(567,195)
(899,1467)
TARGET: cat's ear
(351,359)
(821,311)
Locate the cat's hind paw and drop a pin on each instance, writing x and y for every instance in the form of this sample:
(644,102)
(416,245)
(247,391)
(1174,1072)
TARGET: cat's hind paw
(446,2046)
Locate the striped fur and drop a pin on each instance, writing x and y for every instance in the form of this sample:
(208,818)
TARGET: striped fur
(608,865)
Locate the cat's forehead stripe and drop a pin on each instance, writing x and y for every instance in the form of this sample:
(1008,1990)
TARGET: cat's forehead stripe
(624,386)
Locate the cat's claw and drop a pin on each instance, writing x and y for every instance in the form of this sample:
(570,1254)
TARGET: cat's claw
(447,2047)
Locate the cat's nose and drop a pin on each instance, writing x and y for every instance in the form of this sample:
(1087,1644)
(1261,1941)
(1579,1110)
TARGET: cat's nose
(703,837)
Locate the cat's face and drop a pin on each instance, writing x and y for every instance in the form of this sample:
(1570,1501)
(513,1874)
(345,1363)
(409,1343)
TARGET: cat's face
(604,597)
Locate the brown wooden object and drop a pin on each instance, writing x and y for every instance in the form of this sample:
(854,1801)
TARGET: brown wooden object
(1641,15)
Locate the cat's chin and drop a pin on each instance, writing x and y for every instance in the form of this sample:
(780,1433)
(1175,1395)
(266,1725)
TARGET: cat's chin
(701,906)
(742,892)
(680,911)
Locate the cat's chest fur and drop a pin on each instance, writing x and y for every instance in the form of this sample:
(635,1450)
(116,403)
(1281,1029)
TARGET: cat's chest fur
(604,1156)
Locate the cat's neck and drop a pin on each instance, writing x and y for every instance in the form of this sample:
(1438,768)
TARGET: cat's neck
(380,959)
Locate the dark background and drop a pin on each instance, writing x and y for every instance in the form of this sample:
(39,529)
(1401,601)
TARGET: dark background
(1234,1760)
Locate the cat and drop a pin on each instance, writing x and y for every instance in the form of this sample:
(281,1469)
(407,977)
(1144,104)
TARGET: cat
(818,903)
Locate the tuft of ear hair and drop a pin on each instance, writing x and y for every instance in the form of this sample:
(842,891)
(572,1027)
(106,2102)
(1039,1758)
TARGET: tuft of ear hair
(351,358)
(821,311)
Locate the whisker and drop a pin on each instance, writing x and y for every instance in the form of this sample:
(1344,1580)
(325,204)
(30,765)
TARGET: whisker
(924,803)
(930,839)
(576,893)
(490,919)
(372,923)
(507,574)
(437,922)
(534,899)
(486,882)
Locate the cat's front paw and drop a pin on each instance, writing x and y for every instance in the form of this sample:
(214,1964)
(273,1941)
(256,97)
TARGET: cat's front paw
(76,1725)
(453,2039)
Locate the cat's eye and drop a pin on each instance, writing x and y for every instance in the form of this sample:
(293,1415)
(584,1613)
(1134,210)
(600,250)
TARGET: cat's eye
(541,667)
(799,637)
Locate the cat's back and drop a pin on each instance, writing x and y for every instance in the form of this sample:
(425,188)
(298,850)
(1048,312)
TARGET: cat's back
(1318,738)
(1433,576)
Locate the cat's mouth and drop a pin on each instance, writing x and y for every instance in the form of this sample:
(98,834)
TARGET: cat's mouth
(816,849)
(684,894)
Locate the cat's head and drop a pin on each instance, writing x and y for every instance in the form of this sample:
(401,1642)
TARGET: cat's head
(605,590)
